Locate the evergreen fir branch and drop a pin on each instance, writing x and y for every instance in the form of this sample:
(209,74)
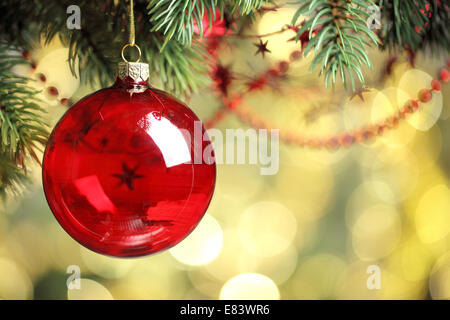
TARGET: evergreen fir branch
(17,26)
(437,32)
(338,36)
(95,49)
(174,66)
(22,128)
(12,178)
(175,19)
(403,23)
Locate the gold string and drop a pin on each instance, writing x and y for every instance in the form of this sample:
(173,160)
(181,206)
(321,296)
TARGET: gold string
(132,39)
(132,31)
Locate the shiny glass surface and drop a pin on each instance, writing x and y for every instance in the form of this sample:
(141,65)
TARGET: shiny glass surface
(119,172)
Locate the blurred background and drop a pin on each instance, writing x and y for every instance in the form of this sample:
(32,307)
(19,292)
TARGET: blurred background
(311,231)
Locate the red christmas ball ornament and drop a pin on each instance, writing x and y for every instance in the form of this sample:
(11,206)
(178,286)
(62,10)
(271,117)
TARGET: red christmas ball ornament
(129,170)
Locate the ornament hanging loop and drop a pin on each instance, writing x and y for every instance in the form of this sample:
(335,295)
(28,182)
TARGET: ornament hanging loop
(131,45)
(132,40)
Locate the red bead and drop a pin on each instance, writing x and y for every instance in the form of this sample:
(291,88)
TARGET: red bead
(414,104)
(405,111)
(425,95)
(368,134)
(380,129)
(332,143)
(283,66)
(42,77)
(358,135)
(436,85)
(297,54)
(121,174)
(445,75)
(395,120)
(52,91)
(273,72)
(65,101)
(346,139)
(299,140)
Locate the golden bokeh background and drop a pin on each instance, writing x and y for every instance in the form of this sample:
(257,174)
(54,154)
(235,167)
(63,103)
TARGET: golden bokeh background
(311,231)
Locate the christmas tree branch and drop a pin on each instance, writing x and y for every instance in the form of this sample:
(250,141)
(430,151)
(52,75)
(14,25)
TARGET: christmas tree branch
(403,23)
(437,32)
(22,127)
(178,19)
(94,50)
(337,31)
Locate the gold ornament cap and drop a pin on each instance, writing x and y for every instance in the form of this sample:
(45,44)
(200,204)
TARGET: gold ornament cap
(135,70)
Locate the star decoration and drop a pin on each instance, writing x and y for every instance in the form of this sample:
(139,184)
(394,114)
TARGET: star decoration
(262,47)
(359,93)
(222,78)
(127,176)
(104,142)
(77,137)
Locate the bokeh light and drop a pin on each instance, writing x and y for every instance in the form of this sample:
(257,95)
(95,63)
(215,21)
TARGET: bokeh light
(266,228)
(310,231)
(376,232)
(89,290)
(106,267)
(432,214)
(15,283)
(317,276)
(202,246)
(250,286)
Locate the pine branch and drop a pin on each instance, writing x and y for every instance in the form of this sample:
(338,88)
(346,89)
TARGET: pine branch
(437,33)
(17,26)
(95,49)
(22,127)
(177,19)
(12,178)
(403,23)
(339,35)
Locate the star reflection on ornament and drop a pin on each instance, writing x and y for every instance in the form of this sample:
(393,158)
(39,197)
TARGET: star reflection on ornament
(160,223)
(127,176)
